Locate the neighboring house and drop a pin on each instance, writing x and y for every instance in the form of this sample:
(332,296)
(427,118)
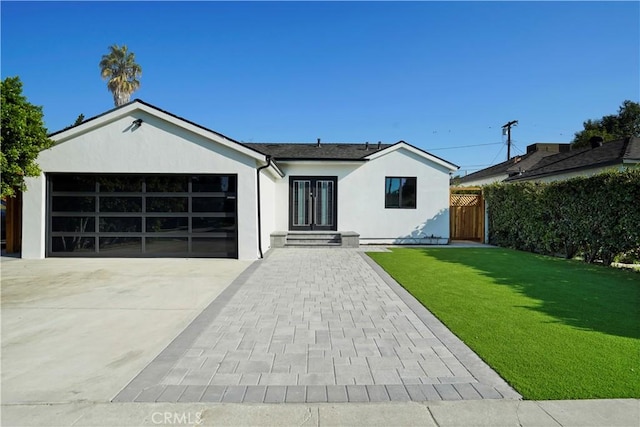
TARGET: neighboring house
(614,155)
(514,166)
(139,181)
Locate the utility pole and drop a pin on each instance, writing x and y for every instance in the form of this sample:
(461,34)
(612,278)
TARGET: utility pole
(508,128)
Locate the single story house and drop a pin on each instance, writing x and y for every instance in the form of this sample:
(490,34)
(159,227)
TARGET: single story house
(545,162)
(514,166)
(599,157)
(140,181)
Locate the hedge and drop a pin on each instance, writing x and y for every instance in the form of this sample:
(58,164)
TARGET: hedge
(597,217)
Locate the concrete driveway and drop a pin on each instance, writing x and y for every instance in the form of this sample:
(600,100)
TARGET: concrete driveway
(78,330)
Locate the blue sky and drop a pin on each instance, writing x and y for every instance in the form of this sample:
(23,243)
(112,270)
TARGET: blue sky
(438,75)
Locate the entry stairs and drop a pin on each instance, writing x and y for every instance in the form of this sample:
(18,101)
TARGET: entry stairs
(298,239)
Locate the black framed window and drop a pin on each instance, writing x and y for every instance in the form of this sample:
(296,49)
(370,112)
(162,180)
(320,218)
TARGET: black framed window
(400,192)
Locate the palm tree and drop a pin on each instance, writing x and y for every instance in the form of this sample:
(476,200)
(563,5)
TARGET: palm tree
(120,70)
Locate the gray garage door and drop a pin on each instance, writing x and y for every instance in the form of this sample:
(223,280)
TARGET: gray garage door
(142,215)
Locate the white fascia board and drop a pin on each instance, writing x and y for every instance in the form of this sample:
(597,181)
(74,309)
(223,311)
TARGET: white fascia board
(131,108)
(413,150)
(275,170)
(490,179)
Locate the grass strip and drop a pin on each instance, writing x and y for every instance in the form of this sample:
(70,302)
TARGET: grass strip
(552,328)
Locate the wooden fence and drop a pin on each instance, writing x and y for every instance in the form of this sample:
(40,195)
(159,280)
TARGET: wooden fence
(466,214)
(13,224)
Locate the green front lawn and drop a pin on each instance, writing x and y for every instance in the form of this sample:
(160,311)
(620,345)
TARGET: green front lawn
(553,328)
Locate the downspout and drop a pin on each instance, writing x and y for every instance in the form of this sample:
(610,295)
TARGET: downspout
(268,158)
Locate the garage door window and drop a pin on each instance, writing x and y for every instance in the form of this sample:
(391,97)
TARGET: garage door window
(134,215)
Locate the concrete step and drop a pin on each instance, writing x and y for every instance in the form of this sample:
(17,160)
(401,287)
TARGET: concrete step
(312,245)
(313,234)
(314,239)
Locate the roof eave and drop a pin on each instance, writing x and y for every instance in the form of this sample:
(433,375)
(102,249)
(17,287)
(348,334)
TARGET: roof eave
(317,159)
(277,169)
(468,178)
(526,176)
(424,154)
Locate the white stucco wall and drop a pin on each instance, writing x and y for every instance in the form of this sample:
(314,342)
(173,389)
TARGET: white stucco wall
(157,146)
(268,207)
(34,218)
(361,197)
(578,173)
(484,181)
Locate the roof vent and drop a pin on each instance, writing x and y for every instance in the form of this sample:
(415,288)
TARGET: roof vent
(379,144)
(366,146)
(318,146)
(596,141)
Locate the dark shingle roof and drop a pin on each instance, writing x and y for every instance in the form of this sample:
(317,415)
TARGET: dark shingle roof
(311,151)
(633,149)
(499,169)
(508,167)
(610,153)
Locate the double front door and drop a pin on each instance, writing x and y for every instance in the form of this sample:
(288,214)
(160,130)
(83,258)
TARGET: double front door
(312,203)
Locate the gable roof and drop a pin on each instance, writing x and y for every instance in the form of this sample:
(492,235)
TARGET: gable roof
(340,152)
(499,169)
(626,150)
(514,165)
(137,104)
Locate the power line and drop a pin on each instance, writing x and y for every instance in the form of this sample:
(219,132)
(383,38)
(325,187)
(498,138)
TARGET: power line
(516,146)
(463,146)
(494,159)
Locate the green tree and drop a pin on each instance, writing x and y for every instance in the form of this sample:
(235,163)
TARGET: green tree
(611,127)
(79,120)
(121,71)
(455,180)
(23,137)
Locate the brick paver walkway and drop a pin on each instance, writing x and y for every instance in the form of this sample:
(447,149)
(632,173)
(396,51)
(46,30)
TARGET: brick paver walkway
(315,325)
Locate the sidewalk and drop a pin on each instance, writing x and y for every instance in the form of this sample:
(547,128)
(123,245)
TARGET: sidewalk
(480,413)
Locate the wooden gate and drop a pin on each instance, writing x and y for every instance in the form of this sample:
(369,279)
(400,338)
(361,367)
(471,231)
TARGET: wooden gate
(466,213)
(13,223)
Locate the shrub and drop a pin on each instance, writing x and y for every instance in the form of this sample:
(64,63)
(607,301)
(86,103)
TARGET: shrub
(597,217)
